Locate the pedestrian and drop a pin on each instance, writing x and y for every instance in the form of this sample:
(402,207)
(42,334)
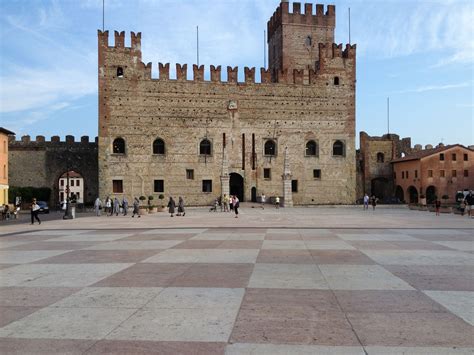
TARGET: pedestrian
(462,207)
(366,202)
(226,203)
(437,206)
(231,202)
(108,206)
(181,206)
(373,202)
(125,205)
(171,206)
(116,206)
(236,204)
(216,203)
(263,200)
(97,206)
(277,202)
(34,212)
(136,207)
(469,203)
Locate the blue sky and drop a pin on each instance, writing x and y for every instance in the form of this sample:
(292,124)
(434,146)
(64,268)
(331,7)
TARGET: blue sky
(418,53)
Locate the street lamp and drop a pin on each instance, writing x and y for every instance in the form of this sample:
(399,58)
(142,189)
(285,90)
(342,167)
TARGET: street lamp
(66,212)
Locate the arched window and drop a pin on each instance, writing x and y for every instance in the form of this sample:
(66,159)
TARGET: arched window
(119,72)
(380,157)
(336,80)
(338,148)
(119,146)
(205,147)
(311,148)
(158,146)
(270,147)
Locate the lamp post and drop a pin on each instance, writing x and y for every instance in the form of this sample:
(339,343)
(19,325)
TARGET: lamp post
(66,212)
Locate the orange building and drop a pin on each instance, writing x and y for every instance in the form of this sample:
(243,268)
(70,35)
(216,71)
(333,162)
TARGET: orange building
(4,133)
(436,172)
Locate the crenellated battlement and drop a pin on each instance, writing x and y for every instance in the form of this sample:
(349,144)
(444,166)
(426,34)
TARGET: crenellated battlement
(313,16)
(119,38)
(26,141)
(333,50)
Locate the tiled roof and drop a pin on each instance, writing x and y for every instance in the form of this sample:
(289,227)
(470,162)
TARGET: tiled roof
(427,152)
(6,131)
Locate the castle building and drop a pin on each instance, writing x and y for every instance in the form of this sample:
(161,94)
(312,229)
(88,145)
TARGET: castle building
(290,135)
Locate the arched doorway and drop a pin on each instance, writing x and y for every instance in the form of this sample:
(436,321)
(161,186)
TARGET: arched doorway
(431,194)
(380,188)
(413,194)
(236,185)
(254,194)
(399,194)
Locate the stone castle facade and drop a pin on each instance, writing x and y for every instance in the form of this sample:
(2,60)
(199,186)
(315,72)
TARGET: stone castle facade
(201,138)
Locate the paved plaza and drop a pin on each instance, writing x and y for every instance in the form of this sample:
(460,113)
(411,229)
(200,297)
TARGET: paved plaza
(289,281)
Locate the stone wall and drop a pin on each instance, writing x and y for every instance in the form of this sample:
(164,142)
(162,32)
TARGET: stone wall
(289,106)
(40,163)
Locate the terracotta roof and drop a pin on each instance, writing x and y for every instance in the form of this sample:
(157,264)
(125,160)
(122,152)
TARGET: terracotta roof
(427,152)
(6,131)
(72,174)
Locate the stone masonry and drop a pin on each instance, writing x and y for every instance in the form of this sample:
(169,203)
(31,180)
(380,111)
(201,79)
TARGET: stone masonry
(307,94)
(41,163)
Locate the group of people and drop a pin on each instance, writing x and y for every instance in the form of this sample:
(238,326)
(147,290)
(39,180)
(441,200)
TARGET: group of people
(112,206)
(370,200)
(172,207)
(227,203)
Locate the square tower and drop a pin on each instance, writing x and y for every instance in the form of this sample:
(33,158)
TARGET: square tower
(294,37)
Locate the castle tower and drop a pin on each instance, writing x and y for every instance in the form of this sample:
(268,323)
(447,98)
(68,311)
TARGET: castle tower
(294,37)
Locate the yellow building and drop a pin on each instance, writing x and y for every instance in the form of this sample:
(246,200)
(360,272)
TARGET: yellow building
(4,133)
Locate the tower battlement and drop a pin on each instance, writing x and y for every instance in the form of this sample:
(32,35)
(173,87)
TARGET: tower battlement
(119,38)
(319,18)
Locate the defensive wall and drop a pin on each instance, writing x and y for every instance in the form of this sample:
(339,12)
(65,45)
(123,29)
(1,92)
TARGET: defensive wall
(40,163)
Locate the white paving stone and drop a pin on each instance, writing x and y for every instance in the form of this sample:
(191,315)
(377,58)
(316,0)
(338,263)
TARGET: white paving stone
(205,256)
(461,303)
(281,349)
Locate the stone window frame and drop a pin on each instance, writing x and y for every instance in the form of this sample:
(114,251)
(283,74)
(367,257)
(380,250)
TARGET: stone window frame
(316,155)
(120,72)
(203,190)
(337,81)
(189,174)
(317,172)
(275,142)
(294,186)
(117,181)
(124,146)
(269,173)
(211,147)
(343,142)
(153,146)
(380,157)
(154,185)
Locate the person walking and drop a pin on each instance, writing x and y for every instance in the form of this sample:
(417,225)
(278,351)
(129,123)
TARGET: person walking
(116,206)
(277,202)
(181,206)
(171,206)
(366,202)
(437,206)
(226,203)
(263,199)
(373,202)
(236,204)
(231,203)
(108,206)
(136,207)
(216,203)
(97,206)
(125,205)
(469,201)
(34,212)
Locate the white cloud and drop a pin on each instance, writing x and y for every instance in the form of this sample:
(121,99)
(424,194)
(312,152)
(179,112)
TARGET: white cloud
(435,88)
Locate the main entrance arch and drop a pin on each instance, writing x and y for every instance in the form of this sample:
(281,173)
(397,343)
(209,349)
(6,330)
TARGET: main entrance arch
(399,194)
(236,185)
(431,194)
(413,194)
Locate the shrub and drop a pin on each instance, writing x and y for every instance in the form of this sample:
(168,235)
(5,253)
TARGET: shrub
(142,198)
(445,197)
(161,196)
(28,193)
(150,198)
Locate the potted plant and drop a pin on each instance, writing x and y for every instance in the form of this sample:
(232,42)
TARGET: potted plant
(161,206)
(142,209)
(151,208)
(444,207)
